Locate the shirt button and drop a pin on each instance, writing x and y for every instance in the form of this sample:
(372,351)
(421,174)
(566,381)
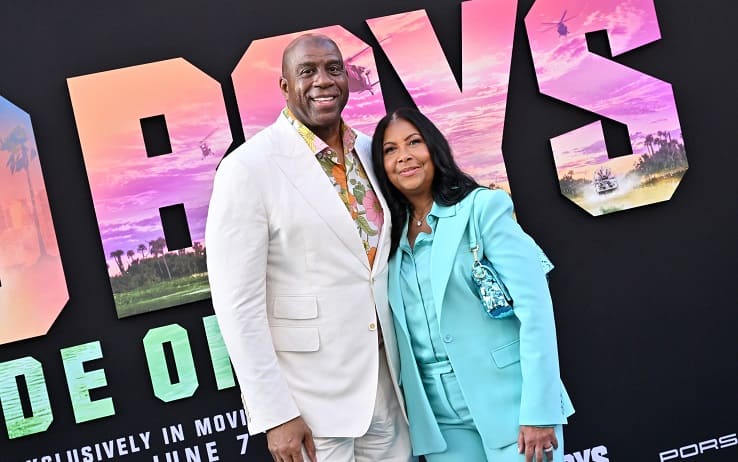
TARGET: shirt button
(448,338)
(372,326)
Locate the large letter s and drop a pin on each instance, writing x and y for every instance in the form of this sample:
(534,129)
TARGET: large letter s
(567,71)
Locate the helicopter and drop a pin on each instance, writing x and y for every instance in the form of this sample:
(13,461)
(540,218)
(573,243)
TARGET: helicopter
(560,25)
(358,76)
(205,147)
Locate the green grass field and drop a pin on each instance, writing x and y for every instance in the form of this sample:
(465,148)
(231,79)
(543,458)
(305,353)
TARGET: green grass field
(162,295)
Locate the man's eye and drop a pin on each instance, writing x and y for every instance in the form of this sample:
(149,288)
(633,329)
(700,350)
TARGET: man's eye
(306,71)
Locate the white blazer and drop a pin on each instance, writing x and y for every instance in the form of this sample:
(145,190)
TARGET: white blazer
(297,303)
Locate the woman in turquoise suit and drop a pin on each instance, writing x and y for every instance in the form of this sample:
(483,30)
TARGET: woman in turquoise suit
(476,388)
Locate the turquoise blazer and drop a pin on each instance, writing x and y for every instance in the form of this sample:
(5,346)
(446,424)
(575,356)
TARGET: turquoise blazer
(508,369)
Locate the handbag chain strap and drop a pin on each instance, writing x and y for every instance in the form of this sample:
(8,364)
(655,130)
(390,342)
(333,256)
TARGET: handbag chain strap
(473,246)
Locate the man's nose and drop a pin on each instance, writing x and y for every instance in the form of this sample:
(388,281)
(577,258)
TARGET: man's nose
(323,78)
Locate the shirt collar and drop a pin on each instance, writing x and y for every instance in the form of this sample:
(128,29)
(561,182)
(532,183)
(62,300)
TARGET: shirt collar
(442,211)
(437,211)
(315,144)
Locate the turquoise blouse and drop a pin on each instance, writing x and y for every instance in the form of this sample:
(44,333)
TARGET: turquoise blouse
(415,284)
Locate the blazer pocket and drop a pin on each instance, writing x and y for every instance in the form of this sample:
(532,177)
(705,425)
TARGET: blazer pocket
(295,338)
(295,307)
(507,354)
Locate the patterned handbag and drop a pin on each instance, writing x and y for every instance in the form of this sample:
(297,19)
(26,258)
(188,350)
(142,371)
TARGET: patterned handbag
(493,294)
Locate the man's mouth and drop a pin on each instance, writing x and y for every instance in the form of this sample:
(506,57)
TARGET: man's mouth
(323,99)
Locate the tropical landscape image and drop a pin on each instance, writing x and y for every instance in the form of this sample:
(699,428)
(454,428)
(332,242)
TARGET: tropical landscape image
(653,177)
(149,278)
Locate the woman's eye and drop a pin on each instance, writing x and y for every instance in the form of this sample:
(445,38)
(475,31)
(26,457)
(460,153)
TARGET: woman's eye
(415,141)
(389,150)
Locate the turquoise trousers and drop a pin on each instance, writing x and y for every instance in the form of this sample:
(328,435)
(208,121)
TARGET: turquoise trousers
(457,426)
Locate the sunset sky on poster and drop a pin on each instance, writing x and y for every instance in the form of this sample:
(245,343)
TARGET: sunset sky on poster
(256,81)
(566,70)
(14,186)
(472,120)
(26,311)
(128,187)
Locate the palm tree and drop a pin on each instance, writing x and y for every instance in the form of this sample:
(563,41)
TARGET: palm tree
(118,255)
(197,246)
(154,252)
(142,250)
(156,247)
(19,159)
(649,143)
(659,142)
(130,254)
(161,244)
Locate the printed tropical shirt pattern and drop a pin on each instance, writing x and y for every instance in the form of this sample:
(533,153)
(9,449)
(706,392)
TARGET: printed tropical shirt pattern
(350,182)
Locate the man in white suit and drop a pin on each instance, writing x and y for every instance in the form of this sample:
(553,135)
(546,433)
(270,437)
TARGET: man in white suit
(297,251)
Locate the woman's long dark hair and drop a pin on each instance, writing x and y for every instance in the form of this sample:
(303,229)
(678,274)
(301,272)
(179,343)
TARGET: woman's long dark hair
(450,184)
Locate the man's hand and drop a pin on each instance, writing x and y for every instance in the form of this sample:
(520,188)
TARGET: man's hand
(537,443)
(285,441)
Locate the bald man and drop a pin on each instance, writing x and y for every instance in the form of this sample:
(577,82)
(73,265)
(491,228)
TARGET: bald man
(297,249)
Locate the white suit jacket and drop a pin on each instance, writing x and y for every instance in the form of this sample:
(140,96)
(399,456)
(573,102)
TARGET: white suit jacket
(297,303)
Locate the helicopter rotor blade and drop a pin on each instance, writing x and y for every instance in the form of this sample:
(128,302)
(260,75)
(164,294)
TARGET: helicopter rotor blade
(356,55)
(563,16)
(209,134)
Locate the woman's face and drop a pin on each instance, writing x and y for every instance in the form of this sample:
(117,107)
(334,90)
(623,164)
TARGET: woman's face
(407,161)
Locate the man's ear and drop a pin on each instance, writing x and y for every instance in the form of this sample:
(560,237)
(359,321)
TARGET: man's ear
(283,87)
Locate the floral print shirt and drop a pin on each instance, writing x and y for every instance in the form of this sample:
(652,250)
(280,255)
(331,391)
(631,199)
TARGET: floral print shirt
(350,182)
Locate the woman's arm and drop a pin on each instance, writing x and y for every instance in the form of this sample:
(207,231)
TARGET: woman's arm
(515,257)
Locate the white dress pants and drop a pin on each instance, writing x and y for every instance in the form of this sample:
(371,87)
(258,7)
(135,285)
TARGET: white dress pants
(386,440)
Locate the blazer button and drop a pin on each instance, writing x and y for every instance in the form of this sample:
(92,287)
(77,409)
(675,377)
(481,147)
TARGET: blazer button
(448,338)
(372,326)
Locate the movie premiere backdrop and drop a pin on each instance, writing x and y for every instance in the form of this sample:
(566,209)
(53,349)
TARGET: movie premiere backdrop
(609,122)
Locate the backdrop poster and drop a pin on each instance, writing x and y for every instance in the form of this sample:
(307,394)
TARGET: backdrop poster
(607,120)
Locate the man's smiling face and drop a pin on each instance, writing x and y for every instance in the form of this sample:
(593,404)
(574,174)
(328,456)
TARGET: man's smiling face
(314,83)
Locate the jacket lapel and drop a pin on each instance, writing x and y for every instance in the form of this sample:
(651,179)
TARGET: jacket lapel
(450,229)
(301,168)
(363,150)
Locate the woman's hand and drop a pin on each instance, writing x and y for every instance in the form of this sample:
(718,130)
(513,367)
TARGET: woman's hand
(537,443)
